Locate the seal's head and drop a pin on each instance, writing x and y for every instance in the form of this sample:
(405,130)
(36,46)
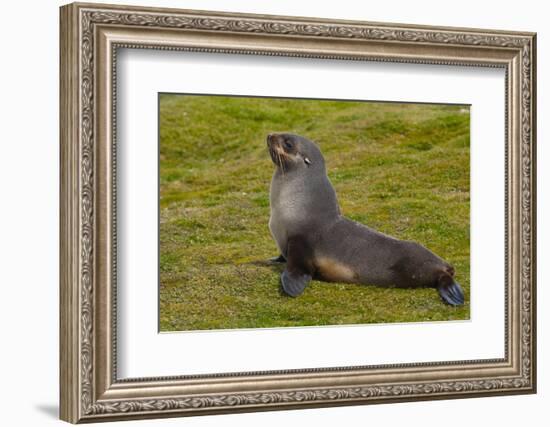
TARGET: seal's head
(292,152)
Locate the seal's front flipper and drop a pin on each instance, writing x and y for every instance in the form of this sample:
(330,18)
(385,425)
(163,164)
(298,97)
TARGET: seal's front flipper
(450,291)
(294,284)
(298,272)
(278,259)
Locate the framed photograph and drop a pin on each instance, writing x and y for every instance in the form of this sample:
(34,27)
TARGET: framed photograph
(266,212)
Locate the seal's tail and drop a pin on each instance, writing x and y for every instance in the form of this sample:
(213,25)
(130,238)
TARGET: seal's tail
(450,291)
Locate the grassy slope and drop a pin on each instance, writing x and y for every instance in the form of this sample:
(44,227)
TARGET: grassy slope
(400,168)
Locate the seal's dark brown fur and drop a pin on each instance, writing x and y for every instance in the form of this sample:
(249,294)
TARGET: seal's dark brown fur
(318,242)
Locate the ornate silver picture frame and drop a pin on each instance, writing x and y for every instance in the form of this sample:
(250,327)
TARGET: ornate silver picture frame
(90,36)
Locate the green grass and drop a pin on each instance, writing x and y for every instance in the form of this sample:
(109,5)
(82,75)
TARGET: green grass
(400,168)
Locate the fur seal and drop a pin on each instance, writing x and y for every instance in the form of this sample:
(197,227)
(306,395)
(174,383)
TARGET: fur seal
(316,241)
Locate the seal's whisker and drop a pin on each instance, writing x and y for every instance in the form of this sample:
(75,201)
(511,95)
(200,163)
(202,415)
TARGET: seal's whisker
(281,162)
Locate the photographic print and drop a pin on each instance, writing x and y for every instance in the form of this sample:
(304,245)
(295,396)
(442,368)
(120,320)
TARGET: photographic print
(197,215)
(278,212)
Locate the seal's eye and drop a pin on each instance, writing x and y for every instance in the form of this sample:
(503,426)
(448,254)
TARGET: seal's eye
(288,144)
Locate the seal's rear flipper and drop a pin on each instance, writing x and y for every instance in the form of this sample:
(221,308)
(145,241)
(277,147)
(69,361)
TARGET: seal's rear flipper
(450,291)
(279,259)
(294,284)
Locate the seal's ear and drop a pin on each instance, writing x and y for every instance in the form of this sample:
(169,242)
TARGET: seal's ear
(307,161)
